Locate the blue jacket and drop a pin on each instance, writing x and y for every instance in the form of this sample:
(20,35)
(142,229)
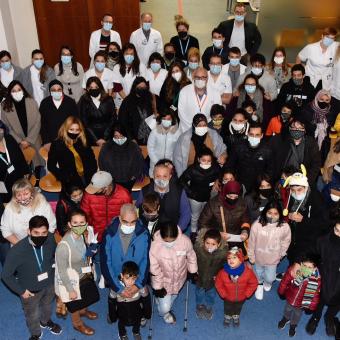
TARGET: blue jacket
(112,256)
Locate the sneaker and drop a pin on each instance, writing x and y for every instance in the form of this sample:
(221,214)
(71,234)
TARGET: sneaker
(36,337)
(267,286)
(259,292)
(52,327)
(282,323)
(200,311)
(137,336)
(143,322)
(236,320)
(292,330)
(123,337)
(312,325)
(279,276)
(208,313)
(330,326)
(227,320)
(169,318)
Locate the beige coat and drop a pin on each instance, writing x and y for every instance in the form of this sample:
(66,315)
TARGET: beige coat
(33,127)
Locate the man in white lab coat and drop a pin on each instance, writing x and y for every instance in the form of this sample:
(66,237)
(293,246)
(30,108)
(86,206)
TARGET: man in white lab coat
(146,39)
(101,38)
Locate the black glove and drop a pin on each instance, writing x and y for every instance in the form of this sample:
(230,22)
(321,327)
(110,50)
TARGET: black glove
(282,297)
(160,293)
(308,312)
(192,277)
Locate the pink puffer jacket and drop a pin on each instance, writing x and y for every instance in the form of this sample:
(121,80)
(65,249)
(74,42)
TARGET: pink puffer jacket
(169,266)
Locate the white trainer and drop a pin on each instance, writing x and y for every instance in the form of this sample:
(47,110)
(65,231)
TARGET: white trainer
(259,292)
(267,286)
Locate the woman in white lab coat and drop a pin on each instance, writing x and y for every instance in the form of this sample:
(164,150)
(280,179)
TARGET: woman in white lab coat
(156,73)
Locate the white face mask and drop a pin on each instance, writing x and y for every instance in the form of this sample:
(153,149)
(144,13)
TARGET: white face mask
(205,166)
(127,229)
(17,96)
(335,198)
(237,126)
(211,249)
(201,130)
(169,244)
(279,60)
(177,76)
(217,43)
(299,197)
(254,141)
(200,83)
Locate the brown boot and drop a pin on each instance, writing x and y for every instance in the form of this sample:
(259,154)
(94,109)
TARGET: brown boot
(83,329)
(61,310)
(90,315)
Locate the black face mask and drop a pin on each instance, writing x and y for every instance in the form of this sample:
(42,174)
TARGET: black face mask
(231,201)
(322,105)
(94,92)
(296,134)
(142,92)
(38,240)
(169,55)
(114,54)
(73,135)
(182,35)
(266,193)
(150,218)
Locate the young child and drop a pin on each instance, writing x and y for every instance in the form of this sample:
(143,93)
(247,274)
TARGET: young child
(129,310)
(171,257)
(211,254)
(235,283)
(268,243)
(301,292)
(150,212)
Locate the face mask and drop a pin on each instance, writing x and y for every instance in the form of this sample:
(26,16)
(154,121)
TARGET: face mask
(285,116)
(217,43)
(298,81)
(327,41)
(99,66)
(254,141)
(38,240)
(155,67)
(120,141)
(239,18)
(129,58)
(271,220)
(305,271)
(200,83)
(231,201)
(73,136)
(114,54)
(254,118)
(250,88)
(177,76)
(17,96)
(56,95)
(279,60)
(38,63)
(193,66)
(6,65)
(79,230)
(78,200)
(299,197)
(211,249)
(237,126)
(150,217)
(25,202)
(169,55)
(266,192)
(323,105)
(201,130)
(256,70)
(162,183)
(182,35)
(127,229)
(169,244)
(147,26)
(66,59)
(166,123)
(215,69)
(107,26)
(94,92)
(205,166)
(335,198)
(217,122)
(234,61)
(296,134)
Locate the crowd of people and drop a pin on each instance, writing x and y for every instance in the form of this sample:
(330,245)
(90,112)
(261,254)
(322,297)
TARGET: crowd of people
(241,163)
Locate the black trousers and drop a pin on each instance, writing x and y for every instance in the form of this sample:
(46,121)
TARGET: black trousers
(232,308)
(122,325)
(332,310)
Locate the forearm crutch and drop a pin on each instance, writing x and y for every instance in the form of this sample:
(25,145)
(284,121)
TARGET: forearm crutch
(185,328)
(150,322)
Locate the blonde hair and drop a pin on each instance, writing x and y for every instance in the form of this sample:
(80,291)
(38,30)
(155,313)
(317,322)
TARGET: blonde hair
(62,133)
(194,52)
(179,21)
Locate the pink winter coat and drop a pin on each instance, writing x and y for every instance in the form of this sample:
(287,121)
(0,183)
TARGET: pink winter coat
(169,266)
(268,244)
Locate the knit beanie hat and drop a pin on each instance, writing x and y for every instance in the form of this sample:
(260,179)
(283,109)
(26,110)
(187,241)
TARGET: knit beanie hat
(236,251)
(55,82)
(232,187)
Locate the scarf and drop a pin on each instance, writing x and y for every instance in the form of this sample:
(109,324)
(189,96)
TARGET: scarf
(258,100)
(311,288)
(20,108)
(320,114)
(234,273)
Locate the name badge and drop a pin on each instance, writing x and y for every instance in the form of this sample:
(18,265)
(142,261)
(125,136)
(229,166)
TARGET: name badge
(174,108)
(10,169)
(180,253)
(43,276)
(86,270)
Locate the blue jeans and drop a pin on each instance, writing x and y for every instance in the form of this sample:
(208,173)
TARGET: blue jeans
(265,273)
(164,304)
(205,297)
(96,262)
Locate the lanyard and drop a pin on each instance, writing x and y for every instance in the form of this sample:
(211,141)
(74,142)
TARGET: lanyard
(186,47)
(201,102)
(219,52)
(8,162)
(37,257)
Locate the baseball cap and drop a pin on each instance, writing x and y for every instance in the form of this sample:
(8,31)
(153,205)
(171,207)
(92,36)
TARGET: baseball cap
(100,180)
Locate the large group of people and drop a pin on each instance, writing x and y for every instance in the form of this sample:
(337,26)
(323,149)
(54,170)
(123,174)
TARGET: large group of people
(240,158)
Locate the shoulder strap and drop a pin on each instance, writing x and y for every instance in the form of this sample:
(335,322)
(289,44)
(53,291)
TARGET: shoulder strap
(223,219)
(69,252)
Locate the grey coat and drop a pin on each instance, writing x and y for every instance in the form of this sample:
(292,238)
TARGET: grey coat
(33,127)
(182,148)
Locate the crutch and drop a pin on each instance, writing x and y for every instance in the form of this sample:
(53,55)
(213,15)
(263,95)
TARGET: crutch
(185,328)
(150,323)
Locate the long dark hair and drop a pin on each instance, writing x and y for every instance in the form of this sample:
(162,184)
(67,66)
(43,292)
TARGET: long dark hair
(272,204)
(73,61)
(103,94)
(135,63)
(255,194)
(9,101)
(285,64)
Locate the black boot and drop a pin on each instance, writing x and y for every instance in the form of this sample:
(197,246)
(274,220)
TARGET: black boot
(282,323)
(330,326)
(312,325)
(292,330)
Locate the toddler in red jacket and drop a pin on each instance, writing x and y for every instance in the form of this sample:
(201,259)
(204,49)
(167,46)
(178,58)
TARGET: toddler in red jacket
(235,283)
(302,291)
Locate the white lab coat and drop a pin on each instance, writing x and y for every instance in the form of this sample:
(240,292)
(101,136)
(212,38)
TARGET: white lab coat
(107,78)
(188,105)
(146,47)
(95,40)
(335,86)
(222,84)
(155,84)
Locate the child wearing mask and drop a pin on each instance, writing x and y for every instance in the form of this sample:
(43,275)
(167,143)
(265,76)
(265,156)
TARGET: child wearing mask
(301,292)
(171,258)
(268,243)
(211,252)
(150,212)
(217,113)
(129,310)
(235,283)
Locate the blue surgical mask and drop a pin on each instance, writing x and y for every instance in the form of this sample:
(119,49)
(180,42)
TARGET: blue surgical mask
(56,95)
(66,59)
(215,69)
(38,63)
(99,66)
(155,67)
(254,141)
(239,18)
(166,123)
(6,65)
(120,141)
(127,229)
(147,26)
(107,26)
(193,66)
(250,88)
(327,41)
(129,58)
(234,61)
(256,70)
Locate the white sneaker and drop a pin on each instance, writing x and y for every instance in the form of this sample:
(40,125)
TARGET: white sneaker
(169,318)
(259,292)
(267,286)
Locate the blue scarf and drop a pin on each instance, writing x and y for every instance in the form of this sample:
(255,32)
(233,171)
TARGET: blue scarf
(234,271)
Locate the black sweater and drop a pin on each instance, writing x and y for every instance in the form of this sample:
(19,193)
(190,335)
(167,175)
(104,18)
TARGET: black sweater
(64,205)
(193,42)
(209,51)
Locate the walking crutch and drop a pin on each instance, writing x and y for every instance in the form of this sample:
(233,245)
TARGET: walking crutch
(185,328)
(150,323)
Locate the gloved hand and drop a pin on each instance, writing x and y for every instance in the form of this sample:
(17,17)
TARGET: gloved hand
(160,293)
(192,277)
(91,249)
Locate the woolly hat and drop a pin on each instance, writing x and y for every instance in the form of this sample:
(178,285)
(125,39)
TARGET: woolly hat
(232,187)
(236,251)
(55,82)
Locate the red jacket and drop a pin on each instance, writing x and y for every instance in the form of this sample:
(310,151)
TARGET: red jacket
(101,209)
(243,289)
(294,294)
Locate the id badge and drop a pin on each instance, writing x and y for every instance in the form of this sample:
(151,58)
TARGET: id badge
(42,277)
(86,270)
(10,169)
